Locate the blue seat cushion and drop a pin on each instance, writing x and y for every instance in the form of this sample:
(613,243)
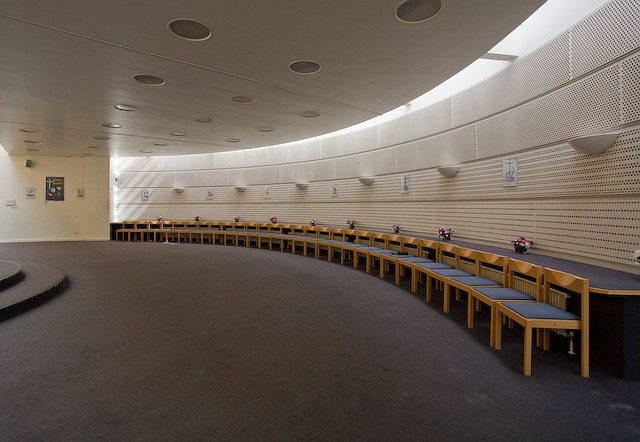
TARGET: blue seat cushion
(474,280)
(415,259)
(451,272)
(539,310)
(433,265)
(504,294)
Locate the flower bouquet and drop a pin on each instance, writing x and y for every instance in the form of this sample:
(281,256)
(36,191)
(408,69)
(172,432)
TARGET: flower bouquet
(197,218)
(521,244)
(395,228)
(445,232)
(352,223)
(636,257)
(236,218)
(312,222)
(273,219)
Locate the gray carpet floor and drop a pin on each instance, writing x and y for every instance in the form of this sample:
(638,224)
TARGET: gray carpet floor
(153,341)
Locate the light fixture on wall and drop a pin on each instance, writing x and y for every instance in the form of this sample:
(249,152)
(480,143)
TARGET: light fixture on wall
(367,180)
(448,171)
(302,186)
(241,188)
(593,144)
(178,189)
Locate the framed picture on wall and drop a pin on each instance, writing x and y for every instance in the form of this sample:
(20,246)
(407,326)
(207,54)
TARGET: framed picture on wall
(210,193)
(54,188)
(334,189)
(144,196)
(30,193)
(510,172)
(80,192)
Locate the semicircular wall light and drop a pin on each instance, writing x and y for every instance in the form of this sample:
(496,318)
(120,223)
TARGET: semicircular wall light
(448,171)
(594,144)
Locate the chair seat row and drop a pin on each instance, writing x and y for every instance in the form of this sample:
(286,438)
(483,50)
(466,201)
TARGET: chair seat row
(513,290)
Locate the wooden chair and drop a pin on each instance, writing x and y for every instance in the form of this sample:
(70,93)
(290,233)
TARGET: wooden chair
(550,314)
(464,262)
(524,284)
(491,270)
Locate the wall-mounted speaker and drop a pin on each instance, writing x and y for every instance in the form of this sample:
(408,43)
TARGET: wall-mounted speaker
(28,163)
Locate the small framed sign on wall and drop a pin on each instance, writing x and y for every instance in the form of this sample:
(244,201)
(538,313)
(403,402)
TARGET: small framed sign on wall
(54,188)
(510,172)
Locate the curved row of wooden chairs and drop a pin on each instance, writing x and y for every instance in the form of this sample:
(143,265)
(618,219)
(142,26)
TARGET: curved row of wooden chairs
(537,298)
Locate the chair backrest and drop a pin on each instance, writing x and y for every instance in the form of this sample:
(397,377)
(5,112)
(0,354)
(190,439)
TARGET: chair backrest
(363,237)
(251,227)
(394,242)
(467,260)
(447,254)
(525,277)
(297,229)
(494,267)
(561,286)
(324,232)
(428,248)
(379,240)
(411,245)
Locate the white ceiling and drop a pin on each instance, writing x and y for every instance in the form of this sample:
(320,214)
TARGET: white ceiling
(64,66)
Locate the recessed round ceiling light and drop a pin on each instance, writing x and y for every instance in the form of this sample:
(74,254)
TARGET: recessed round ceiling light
(31,149)
(33,141)
(418,11)
(94,147)
(309,114)
(101,137)
(146,151)
(265,129)
(87,154)
(179,134)
(149,80)
(189,29)
(242,99)
(159,143)
(127,107)
(204,119)
(304,67)
(31,131)
(112,125)
(232,140)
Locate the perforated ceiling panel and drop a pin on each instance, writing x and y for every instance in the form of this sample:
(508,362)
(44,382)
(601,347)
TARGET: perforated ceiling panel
(605,35)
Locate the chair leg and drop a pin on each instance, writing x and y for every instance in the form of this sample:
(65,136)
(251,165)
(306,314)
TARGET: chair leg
(497,330)
(447,298)
(584,353)
(470,312)
(528,344)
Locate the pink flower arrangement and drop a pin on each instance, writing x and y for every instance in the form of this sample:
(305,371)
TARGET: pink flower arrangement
(312,222)
(395,228)
(236,218)
(445,232)
(197,218)
(273,219)
(521,244)
(352,223)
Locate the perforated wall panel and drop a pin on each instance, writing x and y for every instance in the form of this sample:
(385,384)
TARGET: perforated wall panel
(350,143)
(379,162)
(419,124)
(608,33)
(630,96)
(303,151)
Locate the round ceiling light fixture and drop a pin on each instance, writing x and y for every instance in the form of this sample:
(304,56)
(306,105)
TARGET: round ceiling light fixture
(204,119)
(160,143)
(189,29)
(101,138)
(242,99)
(304,67)
(232,140)
(418,11)
(32,141)
(31,149)
(309,114)
(149,80)
(30,131)
(94,147)
(179,134)
(112,125)
(127,107)
(265,129)
(146,151)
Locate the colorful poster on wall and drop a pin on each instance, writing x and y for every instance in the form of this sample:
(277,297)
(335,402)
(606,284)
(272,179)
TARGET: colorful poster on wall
(55,188)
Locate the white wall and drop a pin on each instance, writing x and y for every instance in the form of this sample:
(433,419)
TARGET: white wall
(39,220)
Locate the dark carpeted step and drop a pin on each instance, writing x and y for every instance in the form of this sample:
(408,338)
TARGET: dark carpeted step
(37,282)
(10,272)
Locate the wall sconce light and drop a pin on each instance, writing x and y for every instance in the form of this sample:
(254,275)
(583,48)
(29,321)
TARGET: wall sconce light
(302,186)
(178,189)
(593,144)
(367,180)
(448,171)
(241,188)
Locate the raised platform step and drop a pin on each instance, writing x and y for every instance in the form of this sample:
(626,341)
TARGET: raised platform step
(30,285)
(9,271)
